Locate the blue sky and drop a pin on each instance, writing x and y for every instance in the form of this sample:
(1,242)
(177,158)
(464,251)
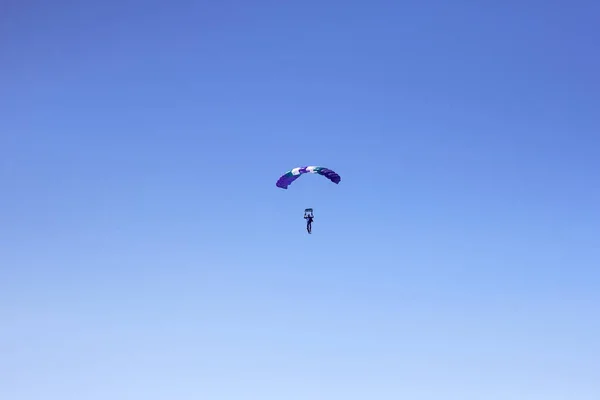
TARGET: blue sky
(147,254)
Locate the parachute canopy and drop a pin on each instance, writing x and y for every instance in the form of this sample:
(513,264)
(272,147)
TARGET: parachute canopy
(285,180)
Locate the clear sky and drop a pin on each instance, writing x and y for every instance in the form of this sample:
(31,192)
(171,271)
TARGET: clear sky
(145,252)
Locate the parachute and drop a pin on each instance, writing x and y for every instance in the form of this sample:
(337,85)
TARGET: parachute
(286,179)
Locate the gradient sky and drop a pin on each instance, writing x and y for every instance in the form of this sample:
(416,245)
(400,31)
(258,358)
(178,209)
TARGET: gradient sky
(145,252)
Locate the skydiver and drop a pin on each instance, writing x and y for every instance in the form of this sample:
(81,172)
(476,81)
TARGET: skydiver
(309,219)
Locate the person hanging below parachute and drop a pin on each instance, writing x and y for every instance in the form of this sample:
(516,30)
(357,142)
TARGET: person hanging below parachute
(309,217)
(289,177)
